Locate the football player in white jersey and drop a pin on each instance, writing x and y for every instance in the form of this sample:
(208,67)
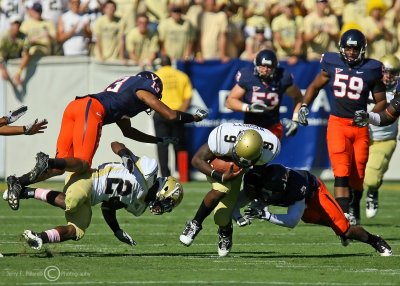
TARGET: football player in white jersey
(132,185)
(247,145)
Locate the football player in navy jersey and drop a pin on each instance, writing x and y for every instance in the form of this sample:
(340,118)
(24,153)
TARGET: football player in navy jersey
(307,198)
(351,78)
(83,121)
(258,92)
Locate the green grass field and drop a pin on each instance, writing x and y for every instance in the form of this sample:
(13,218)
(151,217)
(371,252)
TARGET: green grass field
(262,254)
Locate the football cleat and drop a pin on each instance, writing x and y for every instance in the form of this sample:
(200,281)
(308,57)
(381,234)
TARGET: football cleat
(371,204)
(33,239)
(225,242)
(192,228)
(351,218)
(344,241)
(25,194)
(13,193)
(42,164)
(382,247)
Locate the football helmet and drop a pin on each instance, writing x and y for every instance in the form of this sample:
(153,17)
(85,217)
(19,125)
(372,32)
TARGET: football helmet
(353,38)
(391,70)
(169,195)
(265,58)
(155,78)
(248,148)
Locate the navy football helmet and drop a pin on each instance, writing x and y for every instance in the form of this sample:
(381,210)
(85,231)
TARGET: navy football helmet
(265,58)
(155,78)
(353,38)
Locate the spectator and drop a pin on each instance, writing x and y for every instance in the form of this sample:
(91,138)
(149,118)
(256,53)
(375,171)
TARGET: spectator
(177,94)
(108,32)
(235,37)
(40,36)
(156,10)
(258,13)
(176,35)
(141,43)
(354,11)
(321,30)
(288,33)
(212,28)
(256,43)
(380,36)
(11,44)
(53,9)
(9,9)
(73,31)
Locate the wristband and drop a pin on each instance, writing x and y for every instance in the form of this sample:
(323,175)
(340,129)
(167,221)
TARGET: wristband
(184,117)
(295,116)
(217,176)
(245,107)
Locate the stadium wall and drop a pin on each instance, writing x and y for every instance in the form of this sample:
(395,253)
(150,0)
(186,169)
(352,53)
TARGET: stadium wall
(53,82)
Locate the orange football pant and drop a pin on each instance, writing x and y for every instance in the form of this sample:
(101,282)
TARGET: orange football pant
(80,129)
(348,150)
(323,209)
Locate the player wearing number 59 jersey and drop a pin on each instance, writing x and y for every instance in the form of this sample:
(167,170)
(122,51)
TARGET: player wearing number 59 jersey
(351,78)
(114,186)
(83,121)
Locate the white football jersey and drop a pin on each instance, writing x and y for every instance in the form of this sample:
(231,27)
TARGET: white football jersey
(10,8)
(112,180)
(223,137)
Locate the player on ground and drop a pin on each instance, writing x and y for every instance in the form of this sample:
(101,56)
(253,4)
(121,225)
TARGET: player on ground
(350,77)
(244,144)
(29,129)
(112,185)
(258,92)
(307,198)
(83,121)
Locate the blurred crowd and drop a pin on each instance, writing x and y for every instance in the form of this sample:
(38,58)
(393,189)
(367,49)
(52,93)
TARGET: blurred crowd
(138,32)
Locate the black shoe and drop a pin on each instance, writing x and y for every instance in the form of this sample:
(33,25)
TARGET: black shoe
(42,164)
(371,204)
(225,242)
(14,191)
(192,228)
(382,247)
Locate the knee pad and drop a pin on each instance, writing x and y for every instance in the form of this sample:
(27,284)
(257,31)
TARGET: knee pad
(341,181)
(79,233)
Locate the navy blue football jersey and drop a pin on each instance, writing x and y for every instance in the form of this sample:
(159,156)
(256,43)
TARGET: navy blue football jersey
(269,92)
(298,185)
(120,100)
(351,86)
(395,102)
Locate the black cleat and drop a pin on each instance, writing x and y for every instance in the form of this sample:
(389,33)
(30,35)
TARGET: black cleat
(42,164)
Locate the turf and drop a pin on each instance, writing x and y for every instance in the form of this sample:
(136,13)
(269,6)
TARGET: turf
(263,254)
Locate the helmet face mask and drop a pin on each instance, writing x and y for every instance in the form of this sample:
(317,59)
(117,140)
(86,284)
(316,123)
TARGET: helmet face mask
(248,148)
(391,70)
(352,47)
(169,195)
(265,63)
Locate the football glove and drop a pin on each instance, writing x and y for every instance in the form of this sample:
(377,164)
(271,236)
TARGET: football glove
(243,221)
(124,237)
(290,126)
(14,115)
(303,114)
(201,114)
(165,141)
(360,118)
(257,107)
(35,127)
(252,213)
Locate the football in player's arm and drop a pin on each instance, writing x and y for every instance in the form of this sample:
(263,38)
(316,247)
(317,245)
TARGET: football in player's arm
(306,198)
(132,185)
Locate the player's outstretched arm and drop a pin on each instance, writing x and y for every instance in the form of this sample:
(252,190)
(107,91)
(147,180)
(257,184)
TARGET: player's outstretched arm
(29,129)
(108,209)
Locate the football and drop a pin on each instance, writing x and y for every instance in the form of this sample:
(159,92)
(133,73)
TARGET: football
(223,164)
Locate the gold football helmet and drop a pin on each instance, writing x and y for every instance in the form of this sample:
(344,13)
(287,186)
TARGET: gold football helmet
(391,70)
(168,196)
(247,148)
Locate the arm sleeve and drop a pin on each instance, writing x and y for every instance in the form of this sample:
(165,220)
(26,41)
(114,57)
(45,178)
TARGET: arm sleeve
(293,216)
